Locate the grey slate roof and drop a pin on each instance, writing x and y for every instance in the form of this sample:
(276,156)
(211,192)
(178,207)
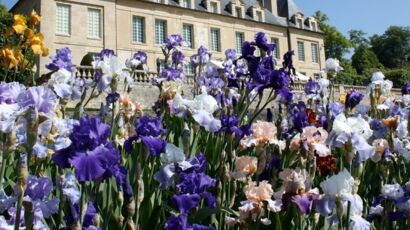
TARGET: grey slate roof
(286,9)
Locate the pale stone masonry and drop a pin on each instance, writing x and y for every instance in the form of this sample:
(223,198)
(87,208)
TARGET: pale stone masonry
(87,26)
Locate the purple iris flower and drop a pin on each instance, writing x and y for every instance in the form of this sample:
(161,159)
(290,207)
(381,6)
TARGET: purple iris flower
(230,54)
(171,74)
(211,80)
(300,121)
(141,56)
(90,133)
(396,110)
(280,79)
(265,77)
(406,88)
(303,202)
(37,221)
(123,184)
(285,94)
(201,58)
(325,205)
(185,202)
(106,53)
(177,57)
(91,154)
(353,98)
(262,43)
(379,129)
(230,124)
(270,165)
(62,60)
(70,189)
(155,145)
(148,131)
(9,92)
(261,80)
(335,109)
(297,107)
(40,97)
(147,126)
(112,97)
(194,182)
(38,193)
(288,62)
(247,49)
(179,222)
(92,165)
(312,87)
(88,219)
(173,41)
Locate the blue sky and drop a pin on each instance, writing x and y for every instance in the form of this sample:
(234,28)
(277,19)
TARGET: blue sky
(371,16)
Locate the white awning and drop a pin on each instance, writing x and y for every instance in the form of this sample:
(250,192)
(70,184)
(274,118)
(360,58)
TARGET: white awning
(301,77)
(216,64)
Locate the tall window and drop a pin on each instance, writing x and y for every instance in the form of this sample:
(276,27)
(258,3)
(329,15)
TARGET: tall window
(238,11)
(94,55)
(188,69)
(258,16)
(161,65)
(138,29)
(257,52)
(276,42)
(213,7)
(215,40)
(63,19)
(239,38)
(187,33)
(160,31)
(94,23)
(186,3)
(301,51)
(315,53)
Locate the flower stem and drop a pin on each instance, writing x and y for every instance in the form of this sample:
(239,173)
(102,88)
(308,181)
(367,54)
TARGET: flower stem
(18,213)
(2,162)
(82,204)
(21,187)
(349,204)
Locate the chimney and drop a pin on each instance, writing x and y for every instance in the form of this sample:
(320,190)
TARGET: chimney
(272,6)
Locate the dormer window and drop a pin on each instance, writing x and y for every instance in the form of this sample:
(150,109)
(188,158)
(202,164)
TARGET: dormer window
(314,26)
(213,7)
(238,12)
(258,16)
(186,3)
(300,23)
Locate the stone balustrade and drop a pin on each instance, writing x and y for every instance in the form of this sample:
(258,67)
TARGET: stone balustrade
(146,94)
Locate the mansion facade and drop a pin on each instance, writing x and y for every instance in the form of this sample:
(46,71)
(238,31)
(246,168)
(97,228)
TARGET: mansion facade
(126,26)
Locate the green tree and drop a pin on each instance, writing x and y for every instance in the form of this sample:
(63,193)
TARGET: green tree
(393,47)
(6,19)
(336,44)
(364,58)
(357,38)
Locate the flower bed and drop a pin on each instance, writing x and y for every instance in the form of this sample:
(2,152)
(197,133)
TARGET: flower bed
(203,159)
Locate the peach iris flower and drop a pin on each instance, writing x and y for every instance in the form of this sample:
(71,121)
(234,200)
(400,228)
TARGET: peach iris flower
(260,193)
(245,166)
